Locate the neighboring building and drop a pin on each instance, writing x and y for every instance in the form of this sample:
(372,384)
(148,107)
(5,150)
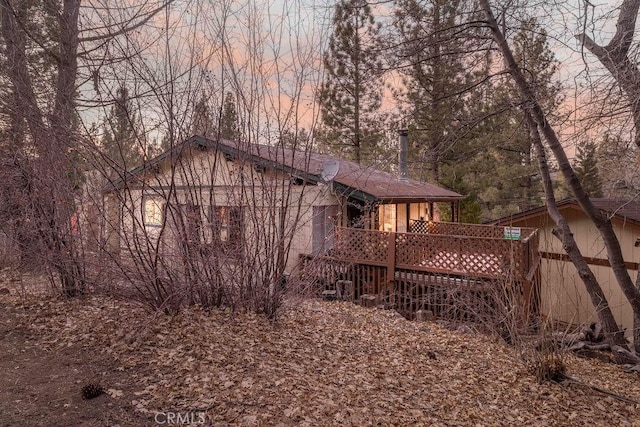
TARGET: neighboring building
(222,195)
(563,295)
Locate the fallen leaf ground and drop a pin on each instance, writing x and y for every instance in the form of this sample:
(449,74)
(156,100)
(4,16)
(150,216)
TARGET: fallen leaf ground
(320,363)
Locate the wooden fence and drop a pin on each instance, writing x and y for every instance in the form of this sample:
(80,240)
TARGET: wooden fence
(455,271)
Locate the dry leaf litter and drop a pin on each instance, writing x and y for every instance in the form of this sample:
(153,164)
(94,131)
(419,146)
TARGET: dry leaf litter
(321,363)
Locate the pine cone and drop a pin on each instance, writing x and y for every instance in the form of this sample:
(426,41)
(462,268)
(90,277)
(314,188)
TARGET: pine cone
(91,391)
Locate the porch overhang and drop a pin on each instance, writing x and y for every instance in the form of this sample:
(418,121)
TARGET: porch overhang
(362,196)
(401,199)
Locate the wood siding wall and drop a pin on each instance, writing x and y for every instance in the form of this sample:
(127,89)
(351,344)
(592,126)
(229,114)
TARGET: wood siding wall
(563,296)
(205,178)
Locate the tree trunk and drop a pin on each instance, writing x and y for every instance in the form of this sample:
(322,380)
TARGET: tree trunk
(563,232)
(602,223)
(51,193)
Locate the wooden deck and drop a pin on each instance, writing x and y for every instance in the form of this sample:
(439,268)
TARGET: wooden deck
(454,271)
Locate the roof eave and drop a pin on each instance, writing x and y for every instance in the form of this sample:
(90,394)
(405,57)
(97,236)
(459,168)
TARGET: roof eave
(542,210)
(420,199)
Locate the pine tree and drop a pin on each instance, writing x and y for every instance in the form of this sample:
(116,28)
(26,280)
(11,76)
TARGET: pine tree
(613,150)
(229,127)
(434,72)
(202,123)
(586,167)
(120,143)
(295,139)
(497,164)
(350,96)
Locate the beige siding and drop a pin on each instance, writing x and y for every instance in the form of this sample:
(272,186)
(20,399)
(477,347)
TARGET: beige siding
(302,240)
(205,179)
(112,225)
(563,295)
(194,168)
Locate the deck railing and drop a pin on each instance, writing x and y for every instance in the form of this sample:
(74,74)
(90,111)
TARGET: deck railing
(467,230)
(454,276)
(470,256)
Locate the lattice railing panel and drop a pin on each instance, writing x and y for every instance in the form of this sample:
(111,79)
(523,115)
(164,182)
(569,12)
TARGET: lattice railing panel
(416,226)
(494,258)
(466,230)
(472,256)
(360,245)
(427,251)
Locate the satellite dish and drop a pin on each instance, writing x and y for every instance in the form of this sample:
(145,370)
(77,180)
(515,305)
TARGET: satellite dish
(330,169)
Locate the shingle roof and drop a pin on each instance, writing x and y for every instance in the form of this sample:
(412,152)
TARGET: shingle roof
(617,208)
(629,209)
(374,182)
(363,182)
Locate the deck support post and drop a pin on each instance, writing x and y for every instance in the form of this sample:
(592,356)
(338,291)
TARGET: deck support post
(391,268)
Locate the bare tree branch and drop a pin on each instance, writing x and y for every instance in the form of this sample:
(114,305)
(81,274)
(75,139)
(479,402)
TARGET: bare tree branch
(615,57)
(128,28)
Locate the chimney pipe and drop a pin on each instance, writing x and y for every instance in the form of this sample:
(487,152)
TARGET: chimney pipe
(403,175)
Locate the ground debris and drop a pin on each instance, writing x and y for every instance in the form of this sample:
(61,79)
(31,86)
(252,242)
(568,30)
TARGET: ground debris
(321,363)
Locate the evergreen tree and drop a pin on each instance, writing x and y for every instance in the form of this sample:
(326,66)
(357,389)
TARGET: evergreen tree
(229,127)
(586,167)
(618,182)
(497,165)
(295,139)
(165,143)
(120,143)
(350,96)
(435,71)
(202,123)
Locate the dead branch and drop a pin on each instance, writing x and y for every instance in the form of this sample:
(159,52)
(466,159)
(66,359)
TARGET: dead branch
(572,380)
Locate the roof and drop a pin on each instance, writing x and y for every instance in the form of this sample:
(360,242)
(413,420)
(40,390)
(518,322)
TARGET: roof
(361,182)
(625,210)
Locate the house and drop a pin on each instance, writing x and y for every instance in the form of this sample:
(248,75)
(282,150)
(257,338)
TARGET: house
(211,211)
(563,296)
(222,195)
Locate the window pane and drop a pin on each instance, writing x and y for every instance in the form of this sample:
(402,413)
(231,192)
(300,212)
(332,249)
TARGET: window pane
(152,212)
(235,224)
(193,222)
(387,215)
(226,226)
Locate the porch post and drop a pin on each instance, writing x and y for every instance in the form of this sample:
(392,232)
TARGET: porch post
(408,208)
(455,211)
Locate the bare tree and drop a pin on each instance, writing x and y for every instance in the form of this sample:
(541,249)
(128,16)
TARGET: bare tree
(602,223)
(50,166)
(206,222)
(616,56)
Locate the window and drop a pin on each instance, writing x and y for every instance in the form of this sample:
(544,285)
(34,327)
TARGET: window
(153,212)
(387,217)
(226,224)
(192,222)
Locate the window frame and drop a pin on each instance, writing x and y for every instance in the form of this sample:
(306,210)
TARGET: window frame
(159,211)
(227,225)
